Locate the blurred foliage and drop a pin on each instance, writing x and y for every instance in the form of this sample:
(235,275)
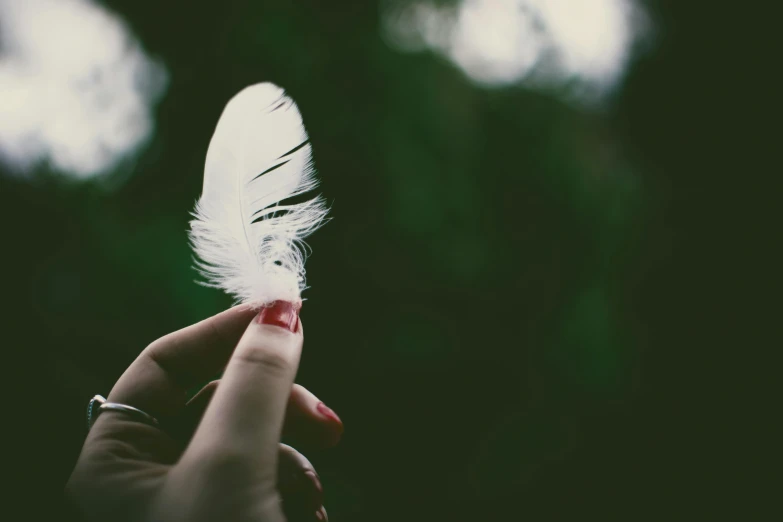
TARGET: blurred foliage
(482,303)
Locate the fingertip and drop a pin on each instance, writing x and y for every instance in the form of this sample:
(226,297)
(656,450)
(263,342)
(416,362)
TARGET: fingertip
(284,314)
(333,421)
(310,421)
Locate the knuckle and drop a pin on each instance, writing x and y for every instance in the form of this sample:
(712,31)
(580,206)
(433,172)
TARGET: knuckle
(268,362)
(291,458)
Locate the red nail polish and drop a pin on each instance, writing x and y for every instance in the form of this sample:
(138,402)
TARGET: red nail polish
(280,313)
(327,412)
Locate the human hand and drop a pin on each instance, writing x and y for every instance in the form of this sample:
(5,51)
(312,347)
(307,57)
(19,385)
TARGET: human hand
(219,455)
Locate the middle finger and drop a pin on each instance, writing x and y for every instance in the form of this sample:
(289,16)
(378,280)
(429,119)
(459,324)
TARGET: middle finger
(306,422)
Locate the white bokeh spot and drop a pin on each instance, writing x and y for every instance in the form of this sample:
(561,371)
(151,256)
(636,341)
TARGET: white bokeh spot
(76,89)
(538,42)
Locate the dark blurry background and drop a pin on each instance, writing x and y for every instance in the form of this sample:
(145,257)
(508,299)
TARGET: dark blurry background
(526,307)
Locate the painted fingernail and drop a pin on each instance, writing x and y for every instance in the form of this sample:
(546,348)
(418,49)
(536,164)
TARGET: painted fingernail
(280,313)
(327,412)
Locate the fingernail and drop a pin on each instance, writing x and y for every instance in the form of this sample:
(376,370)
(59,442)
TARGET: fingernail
(320,515)
(280,313)
(327,412)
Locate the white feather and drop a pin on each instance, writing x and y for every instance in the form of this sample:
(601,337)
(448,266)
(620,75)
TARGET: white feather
(247,241)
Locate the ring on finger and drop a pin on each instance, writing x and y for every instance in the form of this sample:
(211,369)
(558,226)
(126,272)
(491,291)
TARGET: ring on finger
(98,405)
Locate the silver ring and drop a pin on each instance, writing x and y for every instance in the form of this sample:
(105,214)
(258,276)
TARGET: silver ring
(98,405)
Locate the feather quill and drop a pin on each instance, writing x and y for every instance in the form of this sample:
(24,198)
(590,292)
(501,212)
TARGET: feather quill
(247,235)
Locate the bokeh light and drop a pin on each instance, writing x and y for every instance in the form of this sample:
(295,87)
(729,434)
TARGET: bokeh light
(76,88)
(544,43)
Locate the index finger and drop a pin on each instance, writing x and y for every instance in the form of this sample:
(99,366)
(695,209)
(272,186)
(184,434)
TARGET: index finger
(158,380)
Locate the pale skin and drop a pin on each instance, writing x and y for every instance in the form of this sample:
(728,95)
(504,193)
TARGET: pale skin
(224,460)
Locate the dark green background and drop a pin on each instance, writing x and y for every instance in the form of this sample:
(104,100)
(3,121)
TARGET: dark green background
(520,309)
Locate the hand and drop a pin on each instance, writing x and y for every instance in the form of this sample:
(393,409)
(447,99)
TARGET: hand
(217,456)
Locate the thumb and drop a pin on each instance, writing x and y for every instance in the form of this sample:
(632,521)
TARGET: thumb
(245,418)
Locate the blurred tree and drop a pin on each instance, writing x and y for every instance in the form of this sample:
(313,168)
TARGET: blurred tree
(489,307)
